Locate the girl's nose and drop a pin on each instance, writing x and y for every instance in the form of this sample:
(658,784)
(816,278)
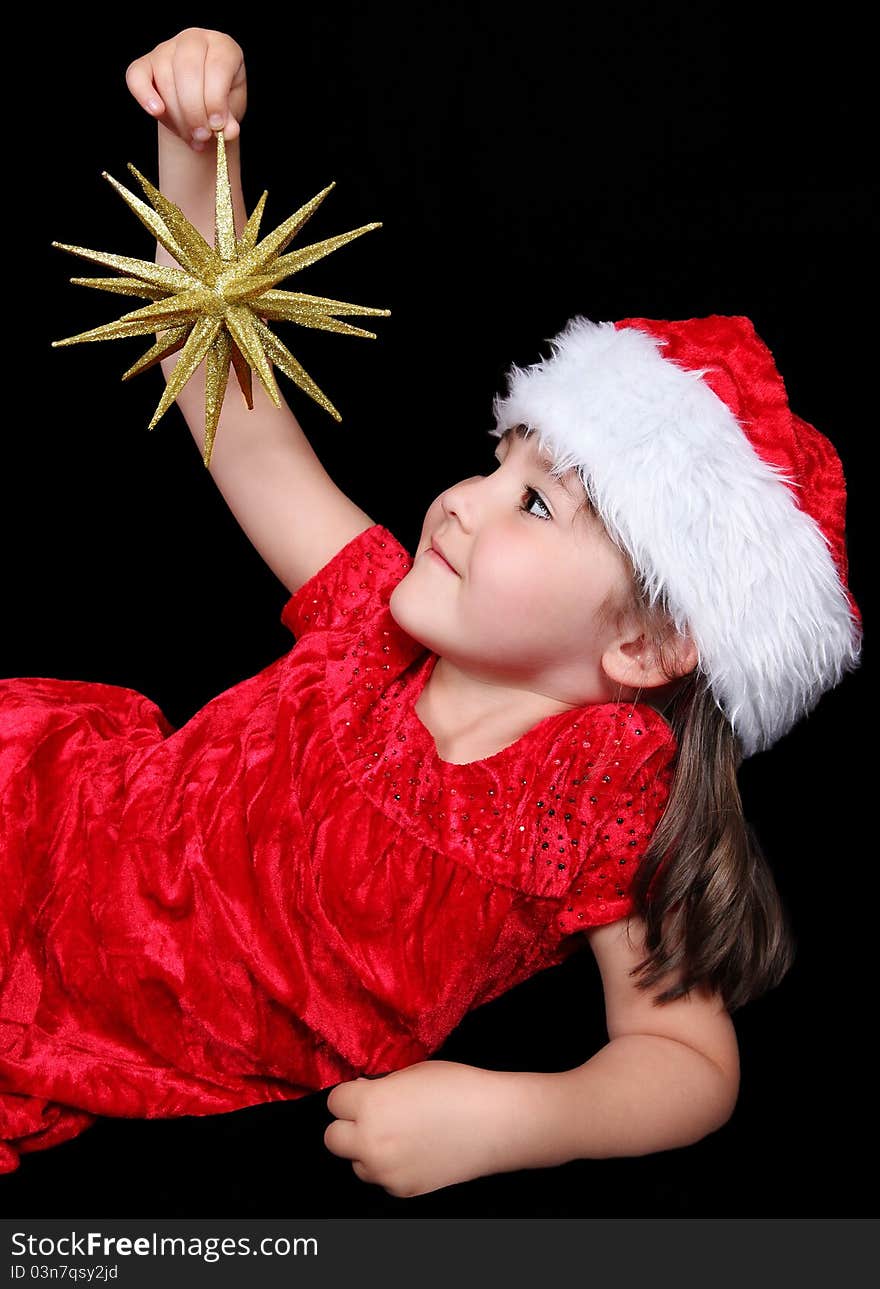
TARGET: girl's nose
(462,500)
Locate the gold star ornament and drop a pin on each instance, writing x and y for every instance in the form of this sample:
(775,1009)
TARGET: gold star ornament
(215,306)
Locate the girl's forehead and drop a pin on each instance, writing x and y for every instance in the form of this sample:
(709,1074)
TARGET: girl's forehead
(568,480)
(532,442)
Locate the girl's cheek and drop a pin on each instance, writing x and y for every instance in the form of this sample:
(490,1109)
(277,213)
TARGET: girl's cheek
(499,576)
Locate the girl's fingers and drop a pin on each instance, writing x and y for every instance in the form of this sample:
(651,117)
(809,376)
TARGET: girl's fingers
(195,84)
(163,79)
(139,79)
(188,61)
(218,78)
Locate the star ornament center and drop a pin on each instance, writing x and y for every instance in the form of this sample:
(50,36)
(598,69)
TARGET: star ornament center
(215,303)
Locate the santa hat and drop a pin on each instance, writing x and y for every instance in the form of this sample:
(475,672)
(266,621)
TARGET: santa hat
(729,506)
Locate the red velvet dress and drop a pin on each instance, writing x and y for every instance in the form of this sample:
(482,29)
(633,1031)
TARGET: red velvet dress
(292,888)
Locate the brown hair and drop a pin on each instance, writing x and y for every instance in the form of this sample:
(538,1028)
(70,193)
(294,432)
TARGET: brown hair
(712,912)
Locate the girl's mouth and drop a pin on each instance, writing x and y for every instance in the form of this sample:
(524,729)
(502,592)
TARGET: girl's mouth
(432,550)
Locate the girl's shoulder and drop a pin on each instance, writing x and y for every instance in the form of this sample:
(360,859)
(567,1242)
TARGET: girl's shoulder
(615,799)
(623,737)
(352,586)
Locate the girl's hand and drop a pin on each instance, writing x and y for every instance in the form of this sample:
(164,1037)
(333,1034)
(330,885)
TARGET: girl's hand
(197,82)
(415,1130)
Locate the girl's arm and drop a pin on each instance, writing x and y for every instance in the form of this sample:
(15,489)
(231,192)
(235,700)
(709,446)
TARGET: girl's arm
(668,1077)
(262,462)
(265,468)
(669,1074)
(640,1093)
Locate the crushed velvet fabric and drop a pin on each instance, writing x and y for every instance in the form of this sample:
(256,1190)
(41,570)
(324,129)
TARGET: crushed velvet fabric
(291,889)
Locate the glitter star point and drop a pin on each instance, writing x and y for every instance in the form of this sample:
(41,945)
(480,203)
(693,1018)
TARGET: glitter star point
(214,304)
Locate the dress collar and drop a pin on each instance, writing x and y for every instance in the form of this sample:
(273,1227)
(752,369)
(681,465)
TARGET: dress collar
(490,814)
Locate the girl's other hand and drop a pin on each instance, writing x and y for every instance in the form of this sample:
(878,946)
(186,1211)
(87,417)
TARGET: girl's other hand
(432,1124)
(192,84)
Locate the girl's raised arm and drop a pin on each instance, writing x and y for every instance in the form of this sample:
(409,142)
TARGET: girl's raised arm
(262,462)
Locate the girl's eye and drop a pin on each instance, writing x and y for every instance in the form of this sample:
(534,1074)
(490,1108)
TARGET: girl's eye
(530,492)
(527,492)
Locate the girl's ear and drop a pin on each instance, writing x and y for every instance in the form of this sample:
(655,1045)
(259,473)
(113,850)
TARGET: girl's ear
(637,663)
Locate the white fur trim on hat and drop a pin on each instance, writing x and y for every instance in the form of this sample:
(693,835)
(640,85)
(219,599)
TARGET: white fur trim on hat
(707,523)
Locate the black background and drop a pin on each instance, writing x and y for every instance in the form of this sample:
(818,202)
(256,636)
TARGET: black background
(662,162)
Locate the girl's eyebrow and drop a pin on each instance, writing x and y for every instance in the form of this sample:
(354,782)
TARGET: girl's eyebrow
(567,485)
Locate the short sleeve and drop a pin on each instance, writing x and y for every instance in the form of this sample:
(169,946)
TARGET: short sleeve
(356,583)
(600,891)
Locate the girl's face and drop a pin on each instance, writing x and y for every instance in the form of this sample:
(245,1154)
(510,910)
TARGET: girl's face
(518,606)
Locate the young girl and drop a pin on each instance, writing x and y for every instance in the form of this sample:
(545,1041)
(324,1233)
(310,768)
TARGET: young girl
(475,759)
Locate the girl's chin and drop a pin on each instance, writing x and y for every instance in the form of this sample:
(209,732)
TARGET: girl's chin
(407,616)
